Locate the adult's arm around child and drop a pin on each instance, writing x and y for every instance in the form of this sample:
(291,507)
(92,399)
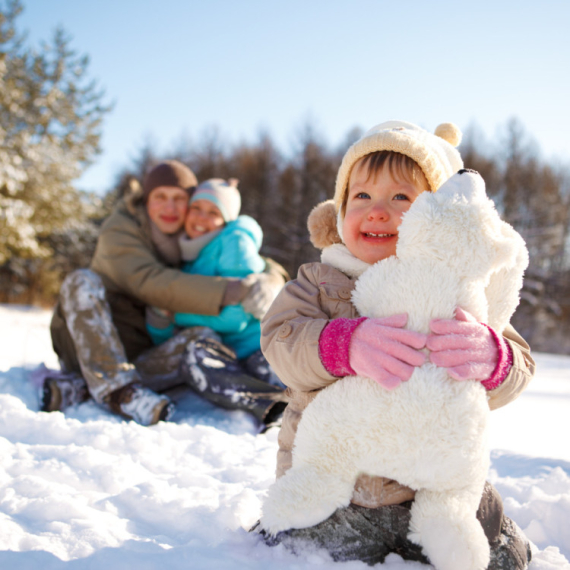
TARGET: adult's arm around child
(128,262)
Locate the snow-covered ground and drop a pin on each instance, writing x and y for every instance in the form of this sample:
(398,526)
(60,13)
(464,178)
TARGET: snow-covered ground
(88,490)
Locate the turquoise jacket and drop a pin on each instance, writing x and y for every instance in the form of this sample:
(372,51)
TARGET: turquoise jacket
(233,253)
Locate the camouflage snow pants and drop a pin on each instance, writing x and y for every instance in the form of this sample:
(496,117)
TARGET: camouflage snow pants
(369,535)
(194,357)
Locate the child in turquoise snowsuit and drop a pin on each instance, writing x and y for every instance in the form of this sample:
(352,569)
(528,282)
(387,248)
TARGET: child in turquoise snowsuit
(219,242)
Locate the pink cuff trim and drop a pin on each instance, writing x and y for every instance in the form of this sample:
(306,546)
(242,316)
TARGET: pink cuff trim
(504,363)
(334,343)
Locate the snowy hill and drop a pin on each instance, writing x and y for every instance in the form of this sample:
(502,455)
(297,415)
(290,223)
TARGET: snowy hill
(89,490)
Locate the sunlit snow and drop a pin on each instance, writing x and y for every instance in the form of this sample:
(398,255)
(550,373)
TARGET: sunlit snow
(86,489)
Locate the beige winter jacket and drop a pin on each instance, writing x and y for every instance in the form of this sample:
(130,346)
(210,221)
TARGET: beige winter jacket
(290,335)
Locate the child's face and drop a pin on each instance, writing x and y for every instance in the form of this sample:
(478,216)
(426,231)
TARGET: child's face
(166,207)
(374,211)
(203,217)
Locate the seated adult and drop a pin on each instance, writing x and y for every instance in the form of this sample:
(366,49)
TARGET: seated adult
(98,328)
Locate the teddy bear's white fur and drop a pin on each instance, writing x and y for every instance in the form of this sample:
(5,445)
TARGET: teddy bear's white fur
(430,432)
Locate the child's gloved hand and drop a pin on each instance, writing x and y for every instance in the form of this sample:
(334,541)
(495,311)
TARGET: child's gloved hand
(469,349)
(382,350)
(158,318)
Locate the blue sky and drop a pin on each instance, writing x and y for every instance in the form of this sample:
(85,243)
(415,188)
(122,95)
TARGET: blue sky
(178,67)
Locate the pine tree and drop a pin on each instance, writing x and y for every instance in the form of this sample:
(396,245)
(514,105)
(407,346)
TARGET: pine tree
(50,127)
(257,166)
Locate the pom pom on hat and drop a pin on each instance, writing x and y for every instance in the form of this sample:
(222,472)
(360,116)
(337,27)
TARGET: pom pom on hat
(224,195)
(450,133)
(322,225)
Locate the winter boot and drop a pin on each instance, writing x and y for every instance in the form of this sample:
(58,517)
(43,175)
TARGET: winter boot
(60,391)
(213,371)
(140,404)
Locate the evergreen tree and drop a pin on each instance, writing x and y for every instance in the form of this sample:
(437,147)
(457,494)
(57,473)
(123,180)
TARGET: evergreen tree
(308,180)
(210,158)
(257,167)
(50,126)
(532,195)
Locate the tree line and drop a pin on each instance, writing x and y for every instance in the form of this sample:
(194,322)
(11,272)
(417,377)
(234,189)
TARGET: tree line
(51,117)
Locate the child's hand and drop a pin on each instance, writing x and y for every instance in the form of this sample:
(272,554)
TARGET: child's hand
(467,348)
(382,350)
(158,318)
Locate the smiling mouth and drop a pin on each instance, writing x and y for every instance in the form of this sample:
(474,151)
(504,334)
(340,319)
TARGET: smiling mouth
(370,234)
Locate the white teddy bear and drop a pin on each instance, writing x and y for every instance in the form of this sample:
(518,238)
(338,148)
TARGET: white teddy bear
(430,432)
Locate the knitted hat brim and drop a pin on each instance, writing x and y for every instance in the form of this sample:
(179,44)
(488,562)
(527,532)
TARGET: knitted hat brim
(389,141)
(437,158)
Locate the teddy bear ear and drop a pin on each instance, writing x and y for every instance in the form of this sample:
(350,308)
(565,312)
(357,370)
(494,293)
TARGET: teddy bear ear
(322,225)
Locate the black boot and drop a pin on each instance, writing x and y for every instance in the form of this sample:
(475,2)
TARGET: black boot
(62,390)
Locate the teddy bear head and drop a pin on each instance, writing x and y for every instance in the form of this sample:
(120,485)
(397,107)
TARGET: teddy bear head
(459,226)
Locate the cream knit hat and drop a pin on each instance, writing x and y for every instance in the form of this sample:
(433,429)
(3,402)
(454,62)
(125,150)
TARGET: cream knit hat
(435,154)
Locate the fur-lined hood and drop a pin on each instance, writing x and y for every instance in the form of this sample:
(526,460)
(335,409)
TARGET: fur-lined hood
(133,200)
(132,205)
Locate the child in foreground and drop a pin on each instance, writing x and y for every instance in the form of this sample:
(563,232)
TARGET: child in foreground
(313,336)
(220,242)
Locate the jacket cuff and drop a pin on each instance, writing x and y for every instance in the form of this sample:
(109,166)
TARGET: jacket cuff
(334,343)
(504,363)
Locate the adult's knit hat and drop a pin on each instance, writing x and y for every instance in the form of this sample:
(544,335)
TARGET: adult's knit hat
(224,194)
(435,153)
(169,173)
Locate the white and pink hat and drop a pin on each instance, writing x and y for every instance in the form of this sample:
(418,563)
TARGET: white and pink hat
(224,194)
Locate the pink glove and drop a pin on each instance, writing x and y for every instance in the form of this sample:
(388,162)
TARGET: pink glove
(469,350)
(380,349)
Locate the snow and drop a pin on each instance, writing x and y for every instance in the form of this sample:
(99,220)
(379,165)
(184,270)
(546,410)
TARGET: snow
(86,489)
